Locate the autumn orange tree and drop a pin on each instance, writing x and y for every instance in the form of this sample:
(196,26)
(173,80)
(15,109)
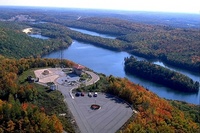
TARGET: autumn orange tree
(154,114)
(16,117)
(17,113)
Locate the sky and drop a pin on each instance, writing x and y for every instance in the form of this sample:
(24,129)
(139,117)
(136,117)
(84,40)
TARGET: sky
(183,6)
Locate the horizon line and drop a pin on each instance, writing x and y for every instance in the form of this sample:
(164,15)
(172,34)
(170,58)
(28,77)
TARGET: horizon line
(57,7)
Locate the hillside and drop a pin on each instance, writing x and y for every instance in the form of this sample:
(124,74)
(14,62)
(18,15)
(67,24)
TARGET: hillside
(154,114)
(27,106)
(15,43)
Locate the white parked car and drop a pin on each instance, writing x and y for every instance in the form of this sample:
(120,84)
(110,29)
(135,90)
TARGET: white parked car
(95,94)
(89,94)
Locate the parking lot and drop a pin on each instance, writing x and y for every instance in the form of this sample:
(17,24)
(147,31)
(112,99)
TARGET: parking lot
(113,113)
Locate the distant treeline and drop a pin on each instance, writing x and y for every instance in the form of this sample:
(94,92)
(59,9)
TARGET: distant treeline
(160,75)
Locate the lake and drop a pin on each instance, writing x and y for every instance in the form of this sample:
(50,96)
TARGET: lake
(38,36)
(112,63)
(93,33)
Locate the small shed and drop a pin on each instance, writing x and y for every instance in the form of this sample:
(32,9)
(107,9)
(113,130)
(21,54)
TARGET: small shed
(78,69)
(30,79)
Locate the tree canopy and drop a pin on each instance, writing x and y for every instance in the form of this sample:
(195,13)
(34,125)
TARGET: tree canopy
(160,75)
(19,109)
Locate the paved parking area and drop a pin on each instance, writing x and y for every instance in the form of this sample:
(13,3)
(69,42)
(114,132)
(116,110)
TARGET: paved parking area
(68,81)
(113,114)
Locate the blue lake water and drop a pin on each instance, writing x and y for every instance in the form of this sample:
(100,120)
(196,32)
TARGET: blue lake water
(93,33)
(194,76)
(112,63)
(39,36)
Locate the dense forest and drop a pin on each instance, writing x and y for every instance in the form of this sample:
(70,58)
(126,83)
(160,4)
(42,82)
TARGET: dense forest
(26,107)
(188,109)
(160,75)
(15,43)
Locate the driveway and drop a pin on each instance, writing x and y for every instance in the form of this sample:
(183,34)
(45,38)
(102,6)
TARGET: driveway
(94,79)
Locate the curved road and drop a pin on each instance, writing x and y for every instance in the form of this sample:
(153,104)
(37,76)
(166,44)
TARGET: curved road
(94,79)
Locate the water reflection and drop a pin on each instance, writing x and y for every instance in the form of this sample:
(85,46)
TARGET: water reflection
(93,33)
(39,36)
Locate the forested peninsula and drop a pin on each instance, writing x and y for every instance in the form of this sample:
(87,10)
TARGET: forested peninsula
(160,75)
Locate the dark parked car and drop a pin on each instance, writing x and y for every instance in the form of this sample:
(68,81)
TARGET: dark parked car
(77,94)
(82,94)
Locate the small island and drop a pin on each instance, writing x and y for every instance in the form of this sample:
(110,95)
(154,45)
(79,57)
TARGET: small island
(161,75)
